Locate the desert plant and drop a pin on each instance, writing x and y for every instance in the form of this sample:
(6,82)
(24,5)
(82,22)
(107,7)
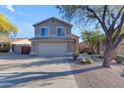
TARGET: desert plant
(90,61)
(83,61)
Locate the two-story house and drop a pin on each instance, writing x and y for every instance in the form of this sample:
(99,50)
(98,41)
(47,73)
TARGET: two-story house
(53,37)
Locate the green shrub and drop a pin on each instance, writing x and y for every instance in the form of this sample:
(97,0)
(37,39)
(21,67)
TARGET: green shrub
(5,47)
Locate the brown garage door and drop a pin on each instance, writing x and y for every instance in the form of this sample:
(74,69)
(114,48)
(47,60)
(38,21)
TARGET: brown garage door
(26,50)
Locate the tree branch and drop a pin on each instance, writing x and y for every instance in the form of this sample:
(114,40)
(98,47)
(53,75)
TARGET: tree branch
(106,30)
(112,15)
(100,21)
(108,21)
(115,18)
(119,40)
(119,28)
(116,28)
(119,13)
(104,14)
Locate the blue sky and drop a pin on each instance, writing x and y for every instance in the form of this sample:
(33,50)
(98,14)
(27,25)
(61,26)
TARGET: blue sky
(25,16)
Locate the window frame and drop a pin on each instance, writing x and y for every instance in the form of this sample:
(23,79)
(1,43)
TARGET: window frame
(63,28)
(44,27)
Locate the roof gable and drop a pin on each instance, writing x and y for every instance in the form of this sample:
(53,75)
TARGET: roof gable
(52,18)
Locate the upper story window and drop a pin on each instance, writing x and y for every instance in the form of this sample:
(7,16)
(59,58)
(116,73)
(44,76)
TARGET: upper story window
(60,31)
(44,31)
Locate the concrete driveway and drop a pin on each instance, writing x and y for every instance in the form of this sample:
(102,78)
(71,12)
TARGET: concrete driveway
(29,71)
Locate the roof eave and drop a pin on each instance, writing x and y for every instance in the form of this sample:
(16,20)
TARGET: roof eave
(36,24)
(75,35)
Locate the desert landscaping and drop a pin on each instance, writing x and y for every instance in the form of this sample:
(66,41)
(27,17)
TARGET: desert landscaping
(95,76)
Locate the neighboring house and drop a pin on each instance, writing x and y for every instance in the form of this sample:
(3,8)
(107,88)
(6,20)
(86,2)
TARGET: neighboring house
(21,45)
(120,48)
(53,37)
(20,41)
(84,47)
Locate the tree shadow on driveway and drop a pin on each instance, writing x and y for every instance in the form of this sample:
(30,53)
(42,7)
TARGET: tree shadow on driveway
(22,64)
(13,79)
(13,56)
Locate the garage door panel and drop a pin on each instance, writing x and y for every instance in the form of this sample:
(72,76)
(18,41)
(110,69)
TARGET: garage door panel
(51,49)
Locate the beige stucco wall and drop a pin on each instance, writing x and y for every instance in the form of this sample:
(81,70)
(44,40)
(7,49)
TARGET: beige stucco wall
(52,28)
(76,43)
(33,48)
(70,47)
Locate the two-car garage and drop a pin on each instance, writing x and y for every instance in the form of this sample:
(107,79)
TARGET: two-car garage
(51,49)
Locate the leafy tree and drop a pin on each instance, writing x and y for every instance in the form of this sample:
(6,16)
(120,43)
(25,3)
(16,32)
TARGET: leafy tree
(93,37)
(6,27)
(109,18)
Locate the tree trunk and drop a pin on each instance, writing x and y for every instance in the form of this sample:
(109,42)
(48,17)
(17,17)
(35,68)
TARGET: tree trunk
(107,58)
(92,49)
(109,55)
